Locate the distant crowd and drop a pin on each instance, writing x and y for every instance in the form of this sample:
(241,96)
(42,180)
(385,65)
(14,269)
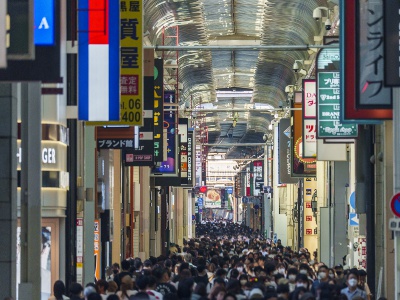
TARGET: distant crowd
(226,261)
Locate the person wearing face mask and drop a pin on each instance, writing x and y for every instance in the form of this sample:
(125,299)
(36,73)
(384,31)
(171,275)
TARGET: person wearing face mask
(322,277)
(281,269)
(302,281)
(240,268)
(243,280)
(340,278)
(291,276)
(352,291)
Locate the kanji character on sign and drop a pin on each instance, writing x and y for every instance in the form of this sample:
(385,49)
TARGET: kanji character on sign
(128,29)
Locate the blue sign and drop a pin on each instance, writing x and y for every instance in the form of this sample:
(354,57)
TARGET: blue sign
(44,22)
(395,205)
(353,200)
(245,200)
(229,190)
(200,201)
(353,219)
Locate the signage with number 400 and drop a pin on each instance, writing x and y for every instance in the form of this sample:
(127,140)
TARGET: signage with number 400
(133,114)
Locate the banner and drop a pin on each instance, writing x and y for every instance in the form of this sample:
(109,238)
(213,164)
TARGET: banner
(364,98)
(98,61)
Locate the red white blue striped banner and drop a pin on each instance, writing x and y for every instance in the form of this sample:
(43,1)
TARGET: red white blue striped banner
(98,60)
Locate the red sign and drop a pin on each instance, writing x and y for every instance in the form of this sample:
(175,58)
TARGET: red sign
(395,205)
(203,189)
(308,218)
(308,205)
(350,66)
(308,231)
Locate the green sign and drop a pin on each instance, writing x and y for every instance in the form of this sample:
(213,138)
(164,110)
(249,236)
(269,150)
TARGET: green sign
(328,120)
(328,98)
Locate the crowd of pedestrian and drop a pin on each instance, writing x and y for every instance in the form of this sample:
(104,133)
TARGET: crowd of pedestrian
(225,261)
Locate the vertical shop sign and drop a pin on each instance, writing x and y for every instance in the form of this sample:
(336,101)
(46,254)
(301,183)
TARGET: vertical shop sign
(169,166)
(328,98)
(258,177)
(79,250)
(183,149)
(98,60)
(371,92)
(285,152)
(143,152)
(364,98)
(248,179)
(310,225)
(309,118)
(97,255)
(44,22)
(301,166)
(158,112)
(190,146)
(131,53)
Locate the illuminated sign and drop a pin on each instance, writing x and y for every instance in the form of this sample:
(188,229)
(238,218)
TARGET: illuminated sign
(53,156)
(44,22)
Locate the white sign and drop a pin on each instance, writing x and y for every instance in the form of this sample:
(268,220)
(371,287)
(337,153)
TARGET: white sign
(310,99)
(310,138)
(79,250)
(48,155)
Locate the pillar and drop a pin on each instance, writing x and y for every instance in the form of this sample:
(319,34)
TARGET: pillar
(8,188)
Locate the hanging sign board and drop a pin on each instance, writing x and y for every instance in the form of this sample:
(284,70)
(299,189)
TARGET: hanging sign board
(328,98)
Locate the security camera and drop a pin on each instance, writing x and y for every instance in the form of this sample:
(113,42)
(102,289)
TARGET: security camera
(289,89)
(303,72)
(280,104)
(317,14)
(295,66)
(187,105)
(328,24)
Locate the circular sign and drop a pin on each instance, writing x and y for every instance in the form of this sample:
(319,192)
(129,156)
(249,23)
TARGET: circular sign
(203,189)
(395,205)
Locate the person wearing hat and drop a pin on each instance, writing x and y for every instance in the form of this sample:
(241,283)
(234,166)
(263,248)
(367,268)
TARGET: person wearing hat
(256,293)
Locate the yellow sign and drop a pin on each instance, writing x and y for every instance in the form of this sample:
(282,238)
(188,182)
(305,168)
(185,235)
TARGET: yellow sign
(131,65)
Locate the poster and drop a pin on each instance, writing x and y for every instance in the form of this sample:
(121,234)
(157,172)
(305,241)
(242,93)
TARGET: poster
(213,199)
(45,262)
